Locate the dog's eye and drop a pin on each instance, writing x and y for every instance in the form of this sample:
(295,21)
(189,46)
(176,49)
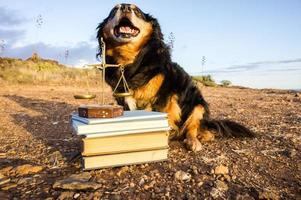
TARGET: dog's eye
(137,12)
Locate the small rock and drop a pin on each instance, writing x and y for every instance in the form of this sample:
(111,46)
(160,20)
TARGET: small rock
(77,182)
(122,170)
(200,183)
(24,180)
(195,170)
(6,170)
(9,186)
(227,177)
(146,187)
(221,169)
(76,195)
(65,195)
(4,181)
(27,169)
(182,176)
(141,182)
(215,193)
(244,197)
(132,184)
(221,186)
(273,195)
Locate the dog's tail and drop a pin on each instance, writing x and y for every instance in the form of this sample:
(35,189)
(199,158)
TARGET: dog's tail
(227,128)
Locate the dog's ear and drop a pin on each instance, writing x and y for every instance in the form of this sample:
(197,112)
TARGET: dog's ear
(157,33)
(99,35)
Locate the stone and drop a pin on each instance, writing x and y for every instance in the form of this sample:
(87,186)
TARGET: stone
(66,195)
(221,186)
(182,176)
(122,170)
(141,182)
(76,195)
(4,181)
(244,197)
(77,182)
(221,169)
(6,170)
(215,193)
(199,184)
(27,169)
(269,195)
(132,184)
(150,185)
(9,186)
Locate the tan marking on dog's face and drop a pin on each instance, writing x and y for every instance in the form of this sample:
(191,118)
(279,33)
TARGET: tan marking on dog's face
(124,50)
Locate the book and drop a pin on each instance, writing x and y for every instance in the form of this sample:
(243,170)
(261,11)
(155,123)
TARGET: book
(128,132)
(135,115)
(125,143)
(84,129)
(129,158)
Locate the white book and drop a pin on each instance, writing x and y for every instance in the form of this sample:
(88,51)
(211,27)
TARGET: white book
(134,115)
(136,131)
(123,126)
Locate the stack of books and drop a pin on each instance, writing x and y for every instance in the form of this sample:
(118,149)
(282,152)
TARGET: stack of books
(136,137)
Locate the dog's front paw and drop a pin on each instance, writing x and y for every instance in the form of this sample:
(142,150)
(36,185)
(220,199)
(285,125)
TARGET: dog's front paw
(193,144)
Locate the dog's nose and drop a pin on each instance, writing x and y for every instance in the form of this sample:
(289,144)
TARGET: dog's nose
(126,8)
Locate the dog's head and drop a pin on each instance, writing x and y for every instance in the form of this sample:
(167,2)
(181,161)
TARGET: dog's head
(126,30)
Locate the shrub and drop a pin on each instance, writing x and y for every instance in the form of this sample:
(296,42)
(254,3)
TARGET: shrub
(205,80)
(226,83)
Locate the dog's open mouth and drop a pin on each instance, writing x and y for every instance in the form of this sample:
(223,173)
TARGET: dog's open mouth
(126,29)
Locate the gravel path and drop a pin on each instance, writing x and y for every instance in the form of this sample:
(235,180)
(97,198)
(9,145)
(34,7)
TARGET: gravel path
(38,151)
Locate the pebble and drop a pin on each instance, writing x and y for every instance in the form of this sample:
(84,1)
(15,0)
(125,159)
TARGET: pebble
(269,195)
(76,195)
(221,169)
(77,182)
(122,170)
(6,170)
(221,186)
(182,176)
(65,195)
(141,182)
(27,169)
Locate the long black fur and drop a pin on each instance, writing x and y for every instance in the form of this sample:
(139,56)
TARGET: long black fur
(154,58)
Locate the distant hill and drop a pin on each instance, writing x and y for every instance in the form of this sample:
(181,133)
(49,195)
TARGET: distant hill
(38,70)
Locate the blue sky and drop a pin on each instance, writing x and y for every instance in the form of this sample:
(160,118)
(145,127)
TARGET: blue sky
(255,43)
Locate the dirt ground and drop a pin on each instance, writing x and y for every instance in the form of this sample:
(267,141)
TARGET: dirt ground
(37,149)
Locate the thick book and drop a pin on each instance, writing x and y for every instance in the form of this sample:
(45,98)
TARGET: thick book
(125,143)
(128,132)
(121,159)
(111,128)
(135,115)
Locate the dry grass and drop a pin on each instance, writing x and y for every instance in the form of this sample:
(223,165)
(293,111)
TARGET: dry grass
(41,71)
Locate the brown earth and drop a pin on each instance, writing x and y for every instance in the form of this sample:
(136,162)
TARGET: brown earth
(37,149)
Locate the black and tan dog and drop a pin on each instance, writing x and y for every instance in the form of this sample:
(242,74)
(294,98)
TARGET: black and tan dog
(134,39)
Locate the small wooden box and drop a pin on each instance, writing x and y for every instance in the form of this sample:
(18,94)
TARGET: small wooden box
(100,111)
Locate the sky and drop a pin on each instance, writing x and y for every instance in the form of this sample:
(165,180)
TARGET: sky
(253,43)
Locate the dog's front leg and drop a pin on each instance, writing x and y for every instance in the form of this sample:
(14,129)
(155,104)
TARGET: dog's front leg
(131,102)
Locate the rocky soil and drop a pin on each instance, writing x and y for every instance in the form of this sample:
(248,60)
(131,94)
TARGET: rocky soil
(39,154)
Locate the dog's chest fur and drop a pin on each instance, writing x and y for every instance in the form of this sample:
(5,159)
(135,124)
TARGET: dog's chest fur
(145,96)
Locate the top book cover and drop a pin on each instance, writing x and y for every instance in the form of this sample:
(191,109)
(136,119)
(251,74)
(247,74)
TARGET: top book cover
(127,116)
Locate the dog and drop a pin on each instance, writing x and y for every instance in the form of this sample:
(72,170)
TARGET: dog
(134,40)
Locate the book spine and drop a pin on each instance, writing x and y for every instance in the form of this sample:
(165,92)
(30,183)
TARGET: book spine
(121,126)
